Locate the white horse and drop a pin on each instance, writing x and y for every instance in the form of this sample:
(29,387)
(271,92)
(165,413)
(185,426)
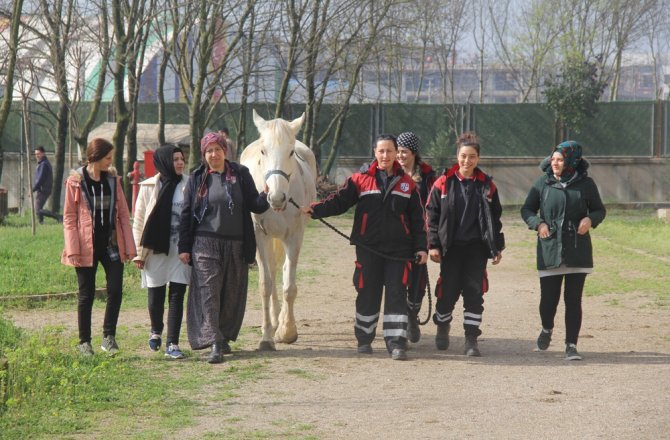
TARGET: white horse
(288,168)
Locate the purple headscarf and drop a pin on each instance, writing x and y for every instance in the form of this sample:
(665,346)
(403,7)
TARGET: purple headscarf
(213,138)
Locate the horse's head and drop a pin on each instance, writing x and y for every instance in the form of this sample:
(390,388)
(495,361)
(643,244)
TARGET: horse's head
(277,156)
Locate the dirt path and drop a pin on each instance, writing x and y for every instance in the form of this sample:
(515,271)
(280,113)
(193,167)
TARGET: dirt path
(321,387)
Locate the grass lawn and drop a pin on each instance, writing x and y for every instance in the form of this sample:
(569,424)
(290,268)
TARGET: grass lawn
(48,391)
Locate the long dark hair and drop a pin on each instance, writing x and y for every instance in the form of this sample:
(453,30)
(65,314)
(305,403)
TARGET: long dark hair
(97,149)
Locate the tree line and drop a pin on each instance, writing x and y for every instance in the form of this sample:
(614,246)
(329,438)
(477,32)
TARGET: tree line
(317,51)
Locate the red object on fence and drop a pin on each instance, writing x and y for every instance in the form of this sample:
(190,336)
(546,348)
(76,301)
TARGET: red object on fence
(149,168)
(135,176)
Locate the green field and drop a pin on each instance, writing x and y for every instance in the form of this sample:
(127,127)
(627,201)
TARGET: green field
(48,391)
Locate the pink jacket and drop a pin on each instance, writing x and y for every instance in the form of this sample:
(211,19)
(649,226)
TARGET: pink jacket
(78,223)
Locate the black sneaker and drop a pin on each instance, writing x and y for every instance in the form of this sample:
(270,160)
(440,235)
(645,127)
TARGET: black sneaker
(413,329)
(442,336)
(109,345)
(365,349)
(471,348)
(399,354)
(543,340)
(571,353)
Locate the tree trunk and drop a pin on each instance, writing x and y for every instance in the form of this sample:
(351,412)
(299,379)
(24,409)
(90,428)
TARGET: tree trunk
(8,92)
(61,145)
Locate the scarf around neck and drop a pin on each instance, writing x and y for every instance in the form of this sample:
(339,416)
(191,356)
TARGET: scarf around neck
(156,235)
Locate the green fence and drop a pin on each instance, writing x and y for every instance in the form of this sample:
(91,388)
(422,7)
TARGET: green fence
(620,129)
(509,130)
(513,129)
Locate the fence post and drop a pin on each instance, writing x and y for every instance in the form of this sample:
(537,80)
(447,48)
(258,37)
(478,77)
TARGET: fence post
(658,128)
(4,204)
(134,176)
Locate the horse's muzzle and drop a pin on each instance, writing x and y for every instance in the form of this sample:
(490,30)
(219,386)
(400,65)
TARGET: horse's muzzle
(278,203)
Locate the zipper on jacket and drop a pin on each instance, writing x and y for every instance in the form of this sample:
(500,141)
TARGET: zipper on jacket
(404,224)
(571,227)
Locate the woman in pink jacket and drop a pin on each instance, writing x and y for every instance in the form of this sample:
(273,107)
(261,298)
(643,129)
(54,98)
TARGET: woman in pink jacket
(97,229)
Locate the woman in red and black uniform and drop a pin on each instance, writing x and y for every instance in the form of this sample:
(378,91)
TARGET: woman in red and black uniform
(389,219)
(464,231)
(424,177)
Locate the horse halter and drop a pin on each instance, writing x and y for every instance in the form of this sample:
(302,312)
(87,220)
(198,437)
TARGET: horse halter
(279,172)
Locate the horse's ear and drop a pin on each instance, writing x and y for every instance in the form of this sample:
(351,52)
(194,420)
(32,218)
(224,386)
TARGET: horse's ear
(258,121)
(297,123)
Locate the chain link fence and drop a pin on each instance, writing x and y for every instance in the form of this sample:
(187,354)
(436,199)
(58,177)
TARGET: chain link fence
(635,129)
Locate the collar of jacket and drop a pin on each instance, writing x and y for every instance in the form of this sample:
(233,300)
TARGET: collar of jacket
(476,175)
(425,168)
(397,169)
(202,169)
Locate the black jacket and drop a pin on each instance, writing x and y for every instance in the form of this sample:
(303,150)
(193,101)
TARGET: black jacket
(391,222)
(194,210)
(443,218)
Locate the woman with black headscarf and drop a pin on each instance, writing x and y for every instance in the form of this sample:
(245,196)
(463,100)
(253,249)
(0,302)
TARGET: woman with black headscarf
(563,205)
(156,231)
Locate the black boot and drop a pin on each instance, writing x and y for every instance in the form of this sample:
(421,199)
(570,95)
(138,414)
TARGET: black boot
(471,348)
(413,329)
(215,356)
(442,336)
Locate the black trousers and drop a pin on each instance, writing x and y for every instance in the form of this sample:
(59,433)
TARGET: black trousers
(550,295)
(156,303)
(462,273)
(373,276)
(40,200)
(86,280)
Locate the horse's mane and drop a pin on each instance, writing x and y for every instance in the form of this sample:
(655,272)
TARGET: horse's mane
(280,132)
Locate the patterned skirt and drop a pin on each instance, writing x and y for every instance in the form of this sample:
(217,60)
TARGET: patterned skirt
(217,295)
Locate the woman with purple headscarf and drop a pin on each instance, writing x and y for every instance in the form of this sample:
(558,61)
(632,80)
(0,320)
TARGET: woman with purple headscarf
(562,206)
(216,236)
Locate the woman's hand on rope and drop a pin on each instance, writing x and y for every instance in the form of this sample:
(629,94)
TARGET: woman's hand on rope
(307,210)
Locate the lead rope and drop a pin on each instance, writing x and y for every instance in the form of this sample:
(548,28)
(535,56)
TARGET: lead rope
(379,254)
(430,302)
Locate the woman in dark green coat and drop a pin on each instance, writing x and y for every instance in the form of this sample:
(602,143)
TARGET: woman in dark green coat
(562,206)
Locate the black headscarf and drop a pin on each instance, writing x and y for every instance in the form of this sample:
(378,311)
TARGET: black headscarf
(156,235)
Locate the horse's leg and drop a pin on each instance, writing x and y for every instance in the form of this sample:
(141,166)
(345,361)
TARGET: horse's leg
(266,268)
(275,248)
(287,331)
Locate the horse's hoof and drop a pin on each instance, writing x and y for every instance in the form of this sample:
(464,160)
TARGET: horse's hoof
(287,341)
(266,346)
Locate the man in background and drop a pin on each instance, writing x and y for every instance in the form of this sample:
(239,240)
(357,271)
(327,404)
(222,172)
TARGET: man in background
(232,148)
(42,184)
